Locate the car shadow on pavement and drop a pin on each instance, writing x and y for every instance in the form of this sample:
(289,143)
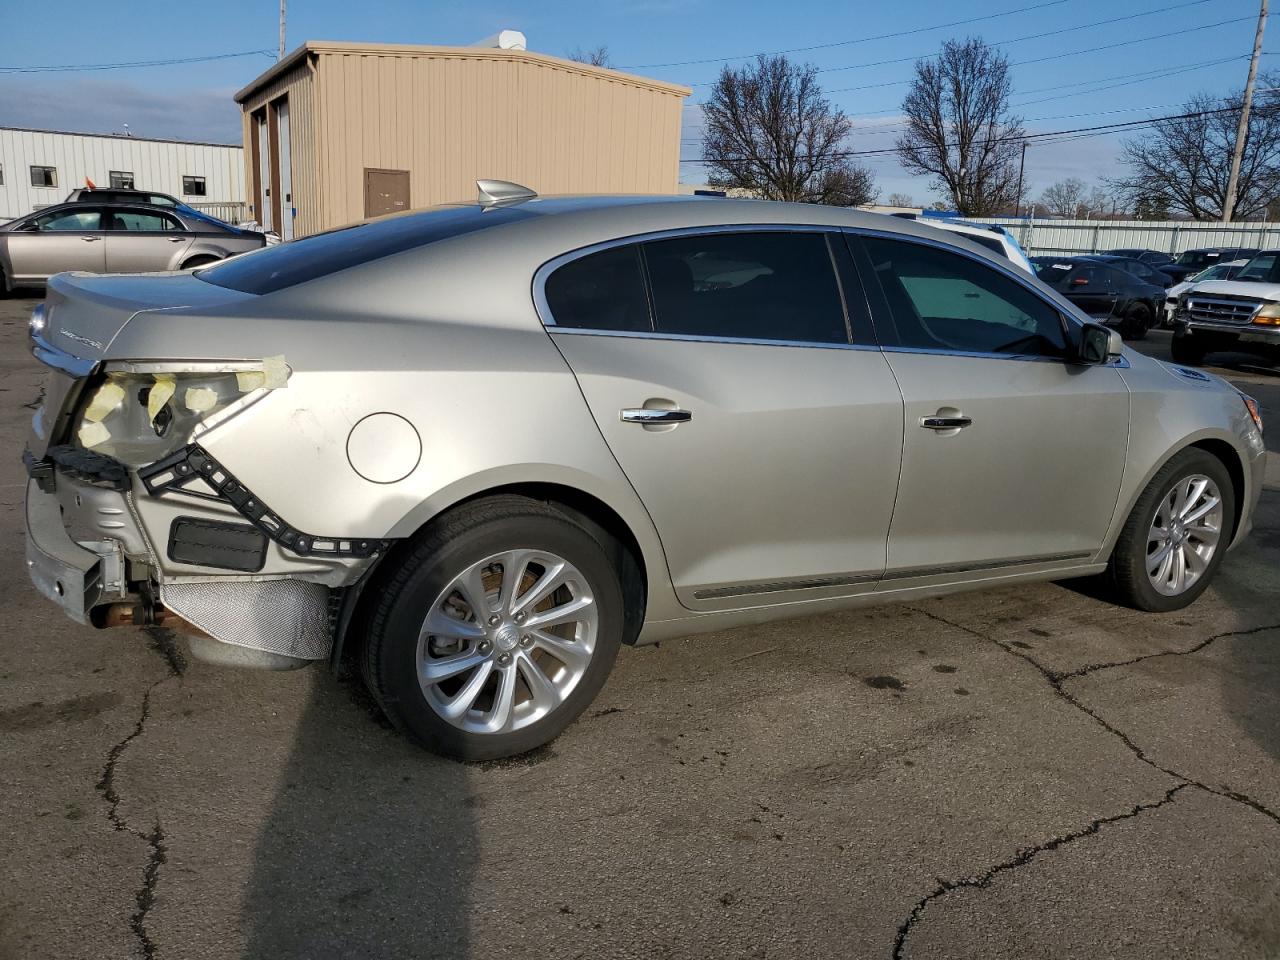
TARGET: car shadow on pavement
(369,849)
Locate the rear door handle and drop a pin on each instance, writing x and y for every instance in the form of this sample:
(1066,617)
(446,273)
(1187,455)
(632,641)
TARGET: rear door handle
(651,415)
(175,239)
(90,239)
(945,423)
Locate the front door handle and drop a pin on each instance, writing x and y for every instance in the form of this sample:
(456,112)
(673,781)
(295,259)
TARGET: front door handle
(650,415)
(90,239)
(945,423)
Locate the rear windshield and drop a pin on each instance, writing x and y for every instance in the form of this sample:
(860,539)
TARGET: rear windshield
(1053,272)
(298,261)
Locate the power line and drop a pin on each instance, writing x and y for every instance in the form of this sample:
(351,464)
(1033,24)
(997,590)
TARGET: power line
(1170,71)
(1035,137)
(73,68)
(1039,36)
(843,43)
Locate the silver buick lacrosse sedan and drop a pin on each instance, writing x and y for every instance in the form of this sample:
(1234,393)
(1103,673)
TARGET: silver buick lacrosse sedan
(477,448)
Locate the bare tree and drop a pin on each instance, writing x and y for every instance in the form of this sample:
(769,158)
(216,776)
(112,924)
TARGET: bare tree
(1098,203)
(960,129)
(900,200)
(769,130)
(596,56)
(1181,165)
(1065,198)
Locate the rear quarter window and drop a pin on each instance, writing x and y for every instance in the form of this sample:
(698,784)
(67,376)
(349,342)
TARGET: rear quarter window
(299,261)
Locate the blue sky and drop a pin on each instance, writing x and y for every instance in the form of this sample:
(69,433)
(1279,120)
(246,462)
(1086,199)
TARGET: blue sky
(194,100)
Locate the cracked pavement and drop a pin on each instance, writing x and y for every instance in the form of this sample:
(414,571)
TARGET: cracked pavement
(1025,772)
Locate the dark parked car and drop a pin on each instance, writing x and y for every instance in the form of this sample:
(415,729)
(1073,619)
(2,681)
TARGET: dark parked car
(1152,258)
(1143,271)
(1106,293)
(124,195)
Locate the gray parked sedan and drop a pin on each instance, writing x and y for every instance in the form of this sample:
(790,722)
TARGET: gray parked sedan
(478,448)
(113,238)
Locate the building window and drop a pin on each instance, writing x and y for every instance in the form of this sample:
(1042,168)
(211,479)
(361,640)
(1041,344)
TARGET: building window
(193,186)
(121,180)
(44,176)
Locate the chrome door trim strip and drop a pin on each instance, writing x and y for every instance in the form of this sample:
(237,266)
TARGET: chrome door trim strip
(911,573)
(782,586)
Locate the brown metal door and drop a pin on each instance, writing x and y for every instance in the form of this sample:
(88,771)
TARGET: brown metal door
(385,191)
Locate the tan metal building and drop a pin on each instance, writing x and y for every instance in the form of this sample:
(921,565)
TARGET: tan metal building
(336,132)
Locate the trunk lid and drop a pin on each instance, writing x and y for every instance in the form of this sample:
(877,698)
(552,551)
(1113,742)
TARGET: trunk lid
(84,312)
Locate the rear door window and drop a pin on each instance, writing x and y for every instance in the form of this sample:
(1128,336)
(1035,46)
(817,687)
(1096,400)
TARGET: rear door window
(601,291)
(939,300)
(143,221)
(769,285)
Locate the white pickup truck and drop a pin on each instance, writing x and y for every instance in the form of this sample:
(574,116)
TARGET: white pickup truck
(1240,314)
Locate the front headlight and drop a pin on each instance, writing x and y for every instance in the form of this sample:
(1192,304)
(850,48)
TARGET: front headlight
(1268,315)
(1255,412)
(36,325)
(142,412)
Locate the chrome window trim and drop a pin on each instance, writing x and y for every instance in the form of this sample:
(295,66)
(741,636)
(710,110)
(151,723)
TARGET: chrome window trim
(702,338)
(543,308)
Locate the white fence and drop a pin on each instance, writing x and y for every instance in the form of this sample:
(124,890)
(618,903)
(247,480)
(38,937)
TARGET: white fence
(1170,236)
(230,212)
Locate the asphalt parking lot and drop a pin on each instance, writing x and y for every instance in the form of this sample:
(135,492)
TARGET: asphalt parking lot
(1027,772)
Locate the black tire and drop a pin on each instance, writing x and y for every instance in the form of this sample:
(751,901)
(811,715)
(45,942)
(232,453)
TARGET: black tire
(414,576)
(1136,322)
(1126,570)
(203,260)
(1187,349)
(4,285)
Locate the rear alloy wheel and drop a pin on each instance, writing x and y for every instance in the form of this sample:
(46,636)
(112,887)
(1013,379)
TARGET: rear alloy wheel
(1176,535)
(1136,322)
(495,631)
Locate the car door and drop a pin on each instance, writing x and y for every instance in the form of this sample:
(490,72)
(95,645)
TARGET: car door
(142,240)
(1013,453)
(720,369)
(48,243)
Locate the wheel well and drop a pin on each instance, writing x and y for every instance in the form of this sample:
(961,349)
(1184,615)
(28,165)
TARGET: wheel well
(601,519)
(199,260)
(1235,469)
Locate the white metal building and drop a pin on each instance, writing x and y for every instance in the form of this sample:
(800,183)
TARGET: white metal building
(40,167)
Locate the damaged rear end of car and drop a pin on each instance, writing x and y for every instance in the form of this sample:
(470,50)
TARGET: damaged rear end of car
(129,519)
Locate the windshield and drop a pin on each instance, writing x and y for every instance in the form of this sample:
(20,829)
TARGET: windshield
(1262,268)
(1218,271)
(1193,258)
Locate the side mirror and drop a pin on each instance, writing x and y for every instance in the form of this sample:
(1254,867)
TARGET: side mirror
(30,226)
(1099,344)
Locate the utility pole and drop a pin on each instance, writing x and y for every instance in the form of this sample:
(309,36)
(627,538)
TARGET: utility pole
(1017,201)
(1242,128)
(280,56)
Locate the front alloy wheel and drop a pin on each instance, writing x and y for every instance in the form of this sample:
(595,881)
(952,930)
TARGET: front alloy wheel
(1184,535)
(493,628)
(1176,534)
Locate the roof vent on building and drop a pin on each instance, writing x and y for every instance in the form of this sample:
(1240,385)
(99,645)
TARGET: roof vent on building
(500,193)
(503,40)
